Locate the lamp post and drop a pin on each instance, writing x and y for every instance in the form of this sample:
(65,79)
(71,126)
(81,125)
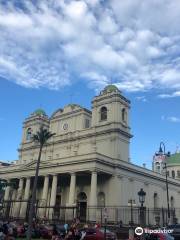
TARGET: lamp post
(142,196)
(131,203)
(163,151)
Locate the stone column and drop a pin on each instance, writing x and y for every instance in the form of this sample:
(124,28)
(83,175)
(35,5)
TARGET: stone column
(18,198)
(53,196)
(7,192)
(72,189)
(6,198)
(44,196)
(93,197)
(26,198)
(71,200)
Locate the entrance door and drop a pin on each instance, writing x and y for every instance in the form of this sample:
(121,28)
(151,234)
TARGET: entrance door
(82,206)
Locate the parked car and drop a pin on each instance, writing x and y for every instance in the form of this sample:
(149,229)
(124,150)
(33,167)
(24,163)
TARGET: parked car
(176,231)
(98,234)
(158,236)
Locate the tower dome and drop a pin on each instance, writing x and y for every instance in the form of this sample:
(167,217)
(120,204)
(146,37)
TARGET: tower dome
(39,112)
(110,88)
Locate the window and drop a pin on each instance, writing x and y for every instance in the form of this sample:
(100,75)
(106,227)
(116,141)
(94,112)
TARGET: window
(178,174)
(28,134)
(101,199)
(168,173)
(158,168)
(124,115)
(173,174)
(155,200)
(172,202)
(87,123)
(103,113)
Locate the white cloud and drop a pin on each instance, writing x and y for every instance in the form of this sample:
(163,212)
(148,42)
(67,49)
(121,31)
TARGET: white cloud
(47,43)
(172,119)
(172,95)
(141,98)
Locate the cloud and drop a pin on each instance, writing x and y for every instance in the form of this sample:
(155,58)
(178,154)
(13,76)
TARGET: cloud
(55,43)
(141,98)
(172,95)
(172,119)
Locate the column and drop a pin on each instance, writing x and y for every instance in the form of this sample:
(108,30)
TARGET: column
(53,196)
(44,197)
(70,213)
(6,198)
(72,189)
(18,198)
(7,192)
(26,198)
(93,197)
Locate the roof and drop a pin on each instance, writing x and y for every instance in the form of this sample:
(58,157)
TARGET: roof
(39,111)
(110,88)
(174,159)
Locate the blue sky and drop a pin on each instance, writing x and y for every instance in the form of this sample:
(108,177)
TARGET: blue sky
(52,49)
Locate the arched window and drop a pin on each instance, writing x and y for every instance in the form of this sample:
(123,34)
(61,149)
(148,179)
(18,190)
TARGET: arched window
(178,173)
(101,199)
(173,174)
(103,113)
(124,115)
(172,202)
(155,200)
(158,168)
(29,134)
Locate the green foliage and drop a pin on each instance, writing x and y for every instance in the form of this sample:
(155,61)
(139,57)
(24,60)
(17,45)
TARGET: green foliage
(42,136)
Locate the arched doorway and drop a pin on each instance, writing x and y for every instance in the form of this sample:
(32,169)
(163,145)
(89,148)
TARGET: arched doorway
(82,205)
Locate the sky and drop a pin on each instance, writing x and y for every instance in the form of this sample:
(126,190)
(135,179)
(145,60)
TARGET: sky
(53,52)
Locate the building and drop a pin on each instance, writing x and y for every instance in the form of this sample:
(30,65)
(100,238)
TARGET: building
(86,164)
(172,163)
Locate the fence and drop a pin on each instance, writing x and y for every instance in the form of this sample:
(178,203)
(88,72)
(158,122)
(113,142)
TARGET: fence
(124,215)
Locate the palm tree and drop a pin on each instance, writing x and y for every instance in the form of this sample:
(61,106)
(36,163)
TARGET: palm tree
(40,138)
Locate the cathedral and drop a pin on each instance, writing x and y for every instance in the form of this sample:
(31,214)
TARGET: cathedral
(85,164)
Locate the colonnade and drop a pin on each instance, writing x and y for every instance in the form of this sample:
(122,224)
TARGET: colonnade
(23,194)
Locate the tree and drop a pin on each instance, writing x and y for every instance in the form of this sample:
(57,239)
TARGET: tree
(40,138)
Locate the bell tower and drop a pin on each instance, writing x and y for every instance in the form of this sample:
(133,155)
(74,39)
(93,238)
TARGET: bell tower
(110,113)
(30,126)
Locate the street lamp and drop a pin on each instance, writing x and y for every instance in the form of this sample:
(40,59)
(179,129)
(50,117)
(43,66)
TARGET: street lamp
(142,196)
(163,151)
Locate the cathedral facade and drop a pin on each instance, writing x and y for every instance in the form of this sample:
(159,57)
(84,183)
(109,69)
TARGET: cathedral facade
(86,163)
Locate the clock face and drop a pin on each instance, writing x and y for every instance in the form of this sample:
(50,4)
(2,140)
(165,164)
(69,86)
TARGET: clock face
(65,126)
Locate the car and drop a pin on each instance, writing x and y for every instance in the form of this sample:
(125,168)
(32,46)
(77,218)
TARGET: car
(158,236)
(98,234)
(176,231)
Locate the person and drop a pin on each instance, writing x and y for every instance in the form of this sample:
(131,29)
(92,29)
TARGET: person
(55,233)
(97,225)
(2,235)
(83,234)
